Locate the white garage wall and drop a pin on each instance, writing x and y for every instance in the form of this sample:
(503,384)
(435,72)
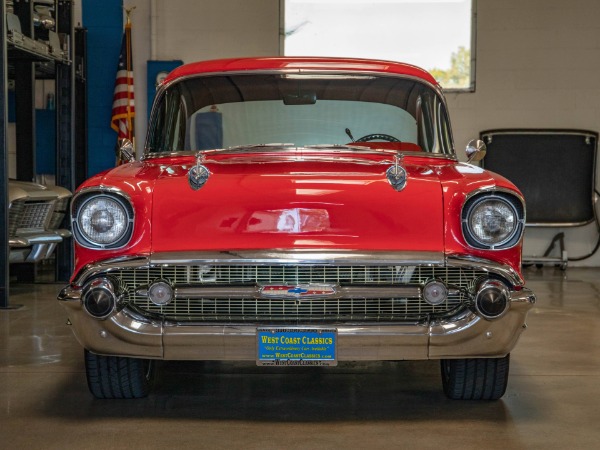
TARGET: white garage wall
(194,30)
(538,66)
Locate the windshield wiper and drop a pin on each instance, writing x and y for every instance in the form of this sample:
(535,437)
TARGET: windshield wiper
(247,147)
(357,148)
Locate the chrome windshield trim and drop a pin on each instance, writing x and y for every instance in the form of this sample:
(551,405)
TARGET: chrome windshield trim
(437,89)
(333,149)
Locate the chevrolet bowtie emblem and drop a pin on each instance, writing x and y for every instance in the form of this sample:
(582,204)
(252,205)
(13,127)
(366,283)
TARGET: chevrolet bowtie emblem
(300,291)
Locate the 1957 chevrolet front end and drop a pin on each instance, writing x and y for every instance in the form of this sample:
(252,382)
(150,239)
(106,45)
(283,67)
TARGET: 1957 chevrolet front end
(298,211)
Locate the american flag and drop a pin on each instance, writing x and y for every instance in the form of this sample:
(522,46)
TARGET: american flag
(123,107)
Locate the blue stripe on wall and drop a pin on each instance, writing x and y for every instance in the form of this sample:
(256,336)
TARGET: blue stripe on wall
(104,22)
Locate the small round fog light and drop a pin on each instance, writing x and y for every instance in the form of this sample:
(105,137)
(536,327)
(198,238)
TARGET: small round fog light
(160,293)
(492,299)
(435,292)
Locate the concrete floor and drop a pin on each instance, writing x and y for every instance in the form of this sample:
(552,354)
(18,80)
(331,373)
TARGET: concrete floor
(552,401)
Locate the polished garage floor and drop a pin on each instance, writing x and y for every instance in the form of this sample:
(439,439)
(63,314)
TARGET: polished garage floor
(552,402)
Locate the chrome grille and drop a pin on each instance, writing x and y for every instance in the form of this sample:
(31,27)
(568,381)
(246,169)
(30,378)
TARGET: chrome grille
(15,211)
(277,310)
(298,274)
(60,210)
(34,216)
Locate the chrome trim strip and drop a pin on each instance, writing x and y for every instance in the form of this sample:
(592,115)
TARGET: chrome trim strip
(559,224)
(255,292)
(307,257)
(472,262)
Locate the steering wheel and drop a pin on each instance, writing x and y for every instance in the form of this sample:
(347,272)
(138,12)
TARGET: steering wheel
(378,136)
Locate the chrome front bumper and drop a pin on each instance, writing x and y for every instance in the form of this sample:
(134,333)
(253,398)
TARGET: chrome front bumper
(35,247)
(465,335)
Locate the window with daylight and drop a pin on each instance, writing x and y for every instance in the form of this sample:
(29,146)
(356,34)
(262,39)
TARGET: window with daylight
(437,35)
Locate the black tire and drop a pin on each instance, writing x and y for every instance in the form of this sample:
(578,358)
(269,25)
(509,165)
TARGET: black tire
(116,377)
(475,379)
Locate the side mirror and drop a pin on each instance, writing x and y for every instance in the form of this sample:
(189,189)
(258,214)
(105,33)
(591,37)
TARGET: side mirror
(126,153)
(475,150)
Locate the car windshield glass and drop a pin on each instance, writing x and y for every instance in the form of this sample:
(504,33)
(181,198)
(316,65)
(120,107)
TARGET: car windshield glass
(215,112)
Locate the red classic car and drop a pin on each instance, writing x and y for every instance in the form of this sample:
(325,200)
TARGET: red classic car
(298,212)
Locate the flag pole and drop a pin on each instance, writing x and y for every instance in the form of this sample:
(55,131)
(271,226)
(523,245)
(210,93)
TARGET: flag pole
(129,68)
(123,109)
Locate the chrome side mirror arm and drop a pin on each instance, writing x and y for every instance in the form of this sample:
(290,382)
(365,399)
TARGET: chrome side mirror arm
(126,152)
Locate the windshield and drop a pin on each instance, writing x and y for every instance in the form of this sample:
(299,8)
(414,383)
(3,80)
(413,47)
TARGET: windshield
(215,112)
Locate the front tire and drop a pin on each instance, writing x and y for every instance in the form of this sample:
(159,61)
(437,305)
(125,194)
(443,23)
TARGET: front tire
(117,377)
(476,378)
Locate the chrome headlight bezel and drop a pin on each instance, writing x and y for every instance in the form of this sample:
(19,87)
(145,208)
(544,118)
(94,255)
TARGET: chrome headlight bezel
(510,202)
(84,200)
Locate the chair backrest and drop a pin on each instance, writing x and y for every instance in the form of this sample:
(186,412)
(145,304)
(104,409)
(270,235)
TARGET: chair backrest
(554,169)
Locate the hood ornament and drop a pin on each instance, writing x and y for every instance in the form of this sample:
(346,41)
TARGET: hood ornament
(396,174)
(198,174)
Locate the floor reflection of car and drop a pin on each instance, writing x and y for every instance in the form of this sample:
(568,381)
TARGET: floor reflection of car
(35,215)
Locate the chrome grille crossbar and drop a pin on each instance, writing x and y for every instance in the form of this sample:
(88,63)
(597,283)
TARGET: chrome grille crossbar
(222,292)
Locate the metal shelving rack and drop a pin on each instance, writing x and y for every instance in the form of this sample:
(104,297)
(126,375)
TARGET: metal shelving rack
(25,59)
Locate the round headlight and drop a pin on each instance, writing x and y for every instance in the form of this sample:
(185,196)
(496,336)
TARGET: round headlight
(103,221)
(492,221)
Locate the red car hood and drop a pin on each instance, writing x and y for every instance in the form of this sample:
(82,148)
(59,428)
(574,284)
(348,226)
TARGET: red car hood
(285,204)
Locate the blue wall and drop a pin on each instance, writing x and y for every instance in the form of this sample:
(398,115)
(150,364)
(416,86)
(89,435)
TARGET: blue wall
(104,22)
